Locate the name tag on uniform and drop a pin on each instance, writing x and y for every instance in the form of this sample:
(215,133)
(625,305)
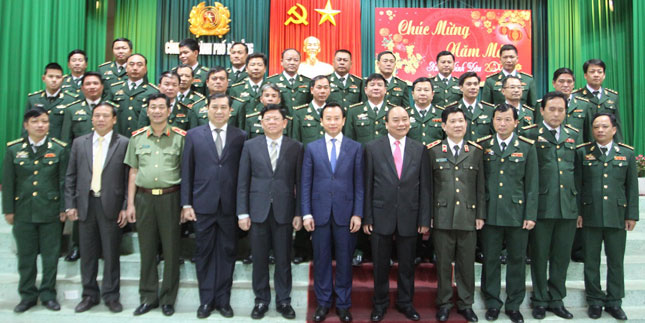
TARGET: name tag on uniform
(145,146)
(441,160)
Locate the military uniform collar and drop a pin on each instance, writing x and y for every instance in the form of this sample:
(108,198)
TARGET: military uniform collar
(235,70)
(251,83)
(474,105)
(338,77)
(380,106)
(443,79)
(55,95)
(506,74)
(36,144)
(507,141)
(185,94)
(591,91)
(166,131)
(558,130)
(138,83)
(389,81)
(518,107)
(287,76)
(89,103)
(608,146)
(452,144)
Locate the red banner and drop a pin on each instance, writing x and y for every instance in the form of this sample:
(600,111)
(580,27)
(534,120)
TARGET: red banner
(335,23)
(474,36)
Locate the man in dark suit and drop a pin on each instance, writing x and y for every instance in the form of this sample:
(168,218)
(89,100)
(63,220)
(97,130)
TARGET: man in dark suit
(332,204)
(267,206)
(95,188)
(208,187)
(397,204)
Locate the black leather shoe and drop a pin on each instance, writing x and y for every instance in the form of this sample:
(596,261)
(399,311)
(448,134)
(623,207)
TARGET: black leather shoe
(258,311)
(225,310)
(321,313)
(204,311)
(344,315)
(377,314)
(287,311)
(561,312)
(167,310)
(357,260)
(298,260)
(538,312)
(23,306)
(144,308)
(616,312)
(114,306)
(594,311)
(85,304)
(515,316)
(409,312)
(468,314)
(443,314)
(73,255)
(492,314)
(247,260)
(479,257)
(52,305)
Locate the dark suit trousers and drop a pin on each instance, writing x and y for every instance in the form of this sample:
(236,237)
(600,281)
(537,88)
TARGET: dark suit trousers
(615,240)
(100,236)
(457,246)
(215,248)
(264,236)
(344,243)
(381,251)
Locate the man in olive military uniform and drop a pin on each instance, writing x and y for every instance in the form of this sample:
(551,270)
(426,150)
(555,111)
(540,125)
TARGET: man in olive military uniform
(606,178)
(447,89)
(32,201)
(492,91)
(249,89)
(114,71)
(306,119)
(511,169)
(578,107)
(479,114)
(294,88)
(217,83)
(601,99)
(186,95)
(459,210)
(77,120)
(154,155)
(77,64)
(52,98)
(188,54)
(512,91)
(269,94)
(425,118)
(181,116)
(551,240)
(366,121)
(132,94)
(237,56)
(346,88)
(396,88)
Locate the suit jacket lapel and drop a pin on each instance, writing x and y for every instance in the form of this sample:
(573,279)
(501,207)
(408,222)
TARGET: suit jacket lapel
(387,154)
(341,153)
(111,148)
(209,138)
(265,153)
(407,157)
(283,150)
(462,153)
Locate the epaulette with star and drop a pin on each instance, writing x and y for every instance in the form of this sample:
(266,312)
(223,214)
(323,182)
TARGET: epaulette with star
(484,138)
(59,142)
(180,131)
(451,104)
(571,127)
(392,105)
(13,142)
(253,114)
(583,145)
(204,68)
(117,83)
(578,90)
(527,140)
(529,127)
(238,84)
(579,98)
(111,103)
(612,91)
(475,144)
(356,77)
(289,118)
(527,74)
(528,107)
(432,144)
(199,94)
(626,146)
(301,106)
(70,93)
(355,105)
(153,86)
(34,93)
(487,103)
(106,63)
(140,131)
(71,104)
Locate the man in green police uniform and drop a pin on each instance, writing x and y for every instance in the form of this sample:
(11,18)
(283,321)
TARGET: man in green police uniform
(511,170)
(237,56)
(396,88)
(77,64)
(52,98)
(366,121)
(32,201)
(606,178)
(459,210)
(346,88)
(425,118)
(154,155)
(446,87)
(601,99)
(479,115)
(132,94)
(181,116)
(114,71)
(294,88)
(306,120)
(551,240)
(188,54)
(493,86)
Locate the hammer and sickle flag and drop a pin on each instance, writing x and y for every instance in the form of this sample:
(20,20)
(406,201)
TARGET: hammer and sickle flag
(297,16)
(209,20)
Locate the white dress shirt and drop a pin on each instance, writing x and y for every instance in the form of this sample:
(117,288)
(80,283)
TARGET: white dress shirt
(592,91)
(557,131)
(393,146)
(222,134)
(35,145)
(106,144)
(452,144)
(608,146)
(138,83)
(507,141)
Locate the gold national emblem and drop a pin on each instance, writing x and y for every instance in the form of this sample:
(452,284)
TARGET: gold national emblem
(209,20)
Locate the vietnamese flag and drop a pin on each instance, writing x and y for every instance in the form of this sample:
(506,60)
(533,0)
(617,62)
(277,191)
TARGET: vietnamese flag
(336,23)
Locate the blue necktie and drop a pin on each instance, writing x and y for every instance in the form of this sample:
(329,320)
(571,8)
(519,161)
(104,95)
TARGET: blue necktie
(333,155)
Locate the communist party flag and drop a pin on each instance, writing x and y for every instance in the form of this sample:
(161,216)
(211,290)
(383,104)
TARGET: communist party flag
(335,23)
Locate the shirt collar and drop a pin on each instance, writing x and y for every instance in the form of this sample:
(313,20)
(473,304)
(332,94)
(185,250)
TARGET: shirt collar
(426,109)
(474,105)
(389,80)
(392,140)
(608,146)
(592,90)
(549,127)
(235,70)
(185,94)
(346,77)
(507,141)
(452,143)
(166,131)
(514,72)
(441,77)
(138,83)
(37,144)
(518,107)
(107,136)
(287,76)
(380,105)
(317,107)
(269,141)
(93,102)
(52,95)
(212,126)
(259,84)
(194,67)
(339,137)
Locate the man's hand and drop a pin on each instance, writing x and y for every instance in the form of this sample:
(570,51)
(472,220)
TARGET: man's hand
(122,220)
(9,218)
(131,214)
(309,224)
(354,223)
(72,214)
(297,223)
(423,230)
(188,214)
(368,228)
(528,225)
(244,224)
(630,225)
(479,224)
(579,222)
(62,216)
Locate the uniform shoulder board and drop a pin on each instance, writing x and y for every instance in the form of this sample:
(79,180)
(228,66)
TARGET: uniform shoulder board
(577,98)
(530,126)
(451,104)
(475,144)
(571,127)
(626,146)
(117,83)
(434,143)
(527,140)
(528,107)
(487,103)
(583,145)
(110,103)
(71,104)
(233,97)
(180,131)
(190,107)
(301,106)
(140,131)
(253,114)
(60,142)
(238,84)
(204,68)
(354,76)
(390,104)
(539,101)
(13,142)
(274,75)
(527,74)
(612,91)
(34,93)
(290,118)
(199,94)
(578,90)
(108,62)
(72,94)
(484,138)
(439,107)
(153,86)
(355,105)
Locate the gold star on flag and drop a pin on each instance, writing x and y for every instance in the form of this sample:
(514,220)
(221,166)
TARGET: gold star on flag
(327,14)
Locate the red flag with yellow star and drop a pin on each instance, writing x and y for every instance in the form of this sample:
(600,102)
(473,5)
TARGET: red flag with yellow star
(316,28)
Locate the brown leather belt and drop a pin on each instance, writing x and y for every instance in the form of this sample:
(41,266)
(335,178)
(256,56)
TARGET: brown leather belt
(159,191)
